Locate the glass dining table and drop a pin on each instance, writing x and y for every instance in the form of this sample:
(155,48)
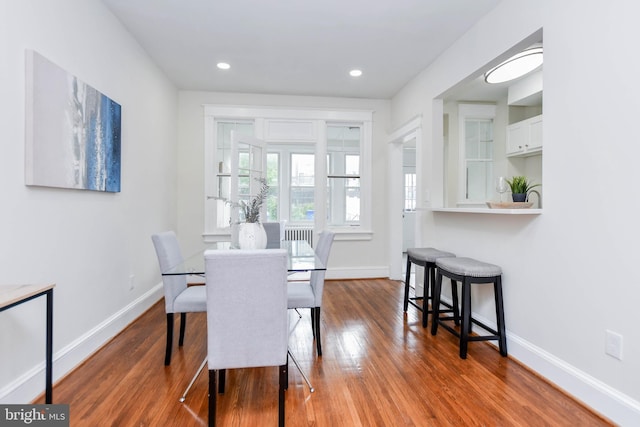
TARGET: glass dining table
(300,258)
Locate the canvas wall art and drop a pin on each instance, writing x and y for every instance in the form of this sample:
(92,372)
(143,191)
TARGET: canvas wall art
(72,131)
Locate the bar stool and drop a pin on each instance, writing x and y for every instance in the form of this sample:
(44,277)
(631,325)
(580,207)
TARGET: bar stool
(469,271)
(424,257)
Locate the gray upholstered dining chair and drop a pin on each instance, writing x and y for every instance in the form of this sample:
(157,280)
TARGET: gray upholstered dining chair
(178,296)
(247,322)
(308,294)
(273,234)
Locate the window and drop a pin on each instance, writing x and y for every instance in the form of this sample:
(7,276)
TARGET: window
(410,191)
(222,185)
(343,175)
(476,130)
(302,188)
(479,158)
(273,180)
(318,167)
(352,188)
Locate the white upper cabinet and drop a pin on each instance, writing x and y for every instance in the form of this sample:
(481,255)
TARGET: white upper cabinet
(525,138)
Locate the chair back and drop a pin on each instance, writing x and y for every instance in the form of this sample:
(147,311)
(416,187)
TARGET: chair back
(246,308)
(273,234)
(169,255)
(323,248)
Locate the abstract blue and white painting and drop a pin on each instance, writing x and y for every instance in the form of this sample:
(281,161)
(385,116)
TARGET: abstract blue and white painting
(72,131)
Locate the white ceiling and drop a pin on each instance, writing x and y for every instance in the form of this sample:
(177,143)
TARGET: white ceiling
(297,47)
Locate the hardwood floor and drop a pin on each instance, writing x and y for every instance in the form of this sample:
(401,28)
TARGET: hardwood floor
(379,368)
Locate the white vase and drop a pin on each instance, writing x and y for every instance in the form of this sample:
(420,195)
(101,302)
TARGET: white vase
(251,235)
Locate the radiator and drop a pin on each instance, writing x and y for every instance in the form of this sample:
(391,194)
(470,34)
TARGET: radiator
(299,233)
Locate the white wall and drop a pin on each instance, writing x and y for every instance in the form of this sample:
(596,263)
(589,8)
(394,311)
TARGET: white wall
(568,273)
(348,258)
(87,243)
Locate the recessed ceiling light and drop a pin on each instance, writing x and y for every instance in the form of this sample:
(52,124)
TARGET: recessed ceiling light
(223,65)
(355,73)
(516,66)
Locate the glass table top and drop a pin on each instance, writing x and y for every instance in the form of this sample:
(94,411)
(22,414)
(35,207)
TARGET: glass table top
(300,257)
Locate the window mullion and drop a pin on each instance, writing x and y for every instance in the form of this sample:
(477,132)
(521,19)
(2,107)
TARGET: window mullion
(320,217)
(285,187)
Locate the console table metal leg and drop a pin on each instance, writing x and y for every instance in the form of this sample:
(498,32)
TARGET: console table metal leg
(49,355)
(13,295)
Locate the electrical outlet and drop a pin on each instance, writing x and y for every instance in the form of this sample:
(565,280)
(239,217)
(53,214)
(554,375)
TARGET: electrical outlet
(132,282)
(613,344)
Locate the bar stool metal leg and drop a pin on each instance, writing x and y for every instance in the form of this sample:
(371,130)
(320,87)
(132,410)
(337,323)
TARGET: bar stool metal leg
(502,342)
(406,284)
(426,294)
(454,300)
(436,304)
(465,328)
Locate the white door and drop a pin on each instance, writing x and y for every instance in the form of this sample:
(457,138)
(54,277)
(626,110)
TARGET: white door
(408,230)
(409,192)
(248,166)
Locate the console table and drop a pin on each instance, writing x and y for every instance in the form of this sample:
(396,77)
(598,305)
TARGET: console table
(12,295)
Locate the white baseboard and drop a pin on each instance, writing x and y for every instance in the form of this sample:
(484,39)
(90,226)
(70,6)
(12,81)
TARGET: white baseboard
(30,385)
(616,406)
(610,403)
(357,273)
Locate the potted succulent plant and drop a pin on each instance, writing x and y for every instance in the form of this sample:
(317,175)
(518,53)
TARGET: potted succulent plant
(520,188)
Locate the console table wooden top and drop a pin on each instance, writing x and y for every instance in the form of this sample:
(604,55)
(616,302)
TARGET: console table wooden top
(11,294)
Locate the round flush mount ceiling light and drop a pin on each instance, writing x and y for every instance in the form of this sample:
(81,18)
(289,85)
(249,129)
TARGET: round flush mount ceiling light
(355,73)
(223,65)
(516,66)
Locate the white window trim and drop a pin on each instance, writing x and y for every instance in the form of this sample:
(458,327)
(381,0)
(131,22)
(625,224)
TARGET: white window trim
(471,111)
(320,119)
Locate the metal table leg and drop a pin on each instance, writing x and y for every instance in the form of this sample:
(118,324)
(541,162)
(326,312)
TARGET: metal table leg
(193,380)
(311,389)
(204,362)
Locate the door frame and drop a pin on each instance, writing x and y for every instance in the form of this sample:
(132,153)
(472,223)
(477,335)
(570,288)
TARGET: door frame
(411,130)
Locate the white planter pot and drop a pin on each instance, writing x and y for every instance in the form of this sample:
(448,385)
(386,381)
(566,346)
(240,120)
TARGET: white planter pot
(251,235)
